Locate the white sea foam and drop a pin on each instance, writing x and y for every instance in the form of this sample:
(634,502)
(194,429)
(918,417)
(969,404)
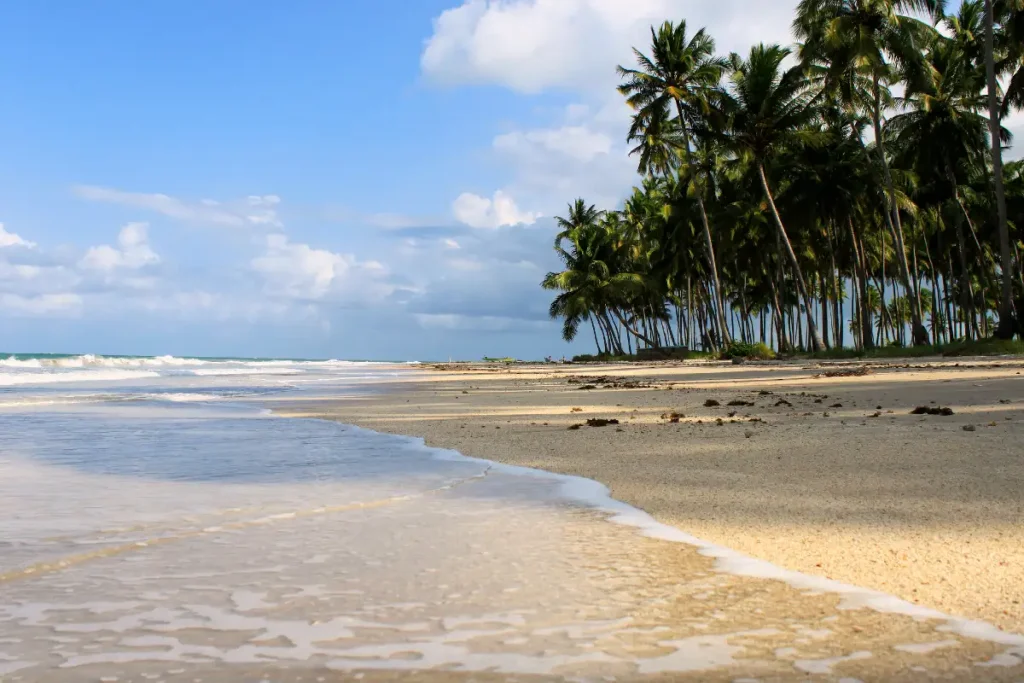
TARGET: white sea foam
(8,379)
(16,371)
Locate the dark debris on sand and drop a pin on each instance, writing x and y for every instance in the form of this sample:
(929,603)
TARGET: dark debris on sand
(845,372)
(606,382)
(931,410)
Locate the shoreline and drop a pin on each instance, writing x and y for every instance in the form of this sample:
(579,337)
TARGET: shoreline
(927,565)
(596,496)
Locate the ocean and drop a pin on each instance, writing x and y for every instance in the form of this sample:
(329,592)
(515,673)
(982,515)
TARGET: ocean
(158,523)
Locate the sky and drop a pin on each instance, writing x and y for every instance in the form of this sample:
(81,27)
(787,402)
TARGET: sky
(371,179)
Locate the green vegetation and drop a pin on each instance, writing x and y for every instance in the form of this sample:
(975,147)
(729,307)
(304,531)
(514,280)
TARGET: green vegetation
(750,351)
(843,193)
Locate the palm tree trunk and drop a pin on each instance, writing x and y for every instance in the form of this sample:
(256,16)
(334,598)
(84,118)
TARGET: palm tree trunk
(812,329)
(866,334)
(597,342)
(708,244)
(1007,321)
(639,335)
(966,291)
(824,310)
(777,318)
(892,220)
(837,320)
(936,302)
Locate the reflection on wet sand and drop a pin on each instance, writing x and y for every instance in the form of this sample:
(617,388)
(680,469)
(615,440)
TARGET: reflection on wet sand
(497,579)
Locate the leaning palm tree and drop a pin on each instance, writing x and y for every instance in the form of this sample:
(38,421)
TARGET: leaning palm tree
(682,74)
(769,108)
(871,36)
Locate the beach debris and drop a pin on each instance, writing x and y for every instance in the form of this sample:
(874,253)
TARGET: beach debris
(587,387)
(836,405)
(740,402)
(608,382)
(573,428)
(783,402)
(600,422)
(764,392)
(576,410)
(711,403)
(845,372)
(747,434)
(672,416)
(875,414)
(732,413)
(619,429)
(1004,400)
(826,414)
(969,428)
(993,424)
(738,360)
(719,421)
(931,410)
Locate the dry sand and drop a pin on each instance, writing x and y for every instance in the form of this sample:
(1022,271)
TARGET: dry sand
(826,475)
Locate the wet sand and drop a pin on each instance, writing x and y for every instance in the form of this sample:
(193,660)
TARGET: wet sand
(827,475)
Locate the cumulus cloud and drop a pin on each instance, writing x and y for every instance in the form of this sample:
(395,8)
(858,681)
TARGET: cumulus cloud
(133,251)
(299,271)
(578,143)
(481,212)
(40,305)
(252,211)
(10,239)
(533,45)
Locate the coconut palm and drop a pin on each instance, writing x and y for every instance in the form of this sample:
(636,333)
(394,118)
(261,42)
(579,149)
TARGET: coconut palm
(1013,12)
(766,207)
(681,73)
(768,108)
(871,37)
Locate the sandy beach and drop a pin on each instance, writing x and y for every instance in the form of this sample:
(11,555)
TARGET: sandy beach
(817,467)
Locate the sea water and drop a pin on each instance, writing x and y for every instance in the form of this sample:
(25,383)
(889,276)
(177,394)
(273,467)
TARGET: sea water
(157,523)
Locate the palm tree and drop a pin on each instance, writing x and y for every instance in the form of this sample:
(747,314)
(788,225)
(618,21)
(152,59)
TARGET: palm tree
(769,108)
(1007,321)
(685,74)
(581,219)
(858,36)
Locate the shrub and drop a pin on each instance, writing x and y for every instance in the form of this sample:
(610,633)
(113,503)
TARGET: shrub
(758,351)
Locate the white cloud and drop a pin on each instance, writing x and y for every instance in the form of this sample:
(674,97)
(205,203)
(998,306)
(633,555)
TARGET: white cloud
(532,45)
(299,271)
(578,143)
(134,251)
(41,305)
(253,211)
(463,323)
(481,212)
(10,239)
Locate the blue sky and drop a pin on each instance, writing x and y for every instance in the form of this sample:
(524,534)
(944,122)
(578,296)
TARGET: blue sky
(357,179)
